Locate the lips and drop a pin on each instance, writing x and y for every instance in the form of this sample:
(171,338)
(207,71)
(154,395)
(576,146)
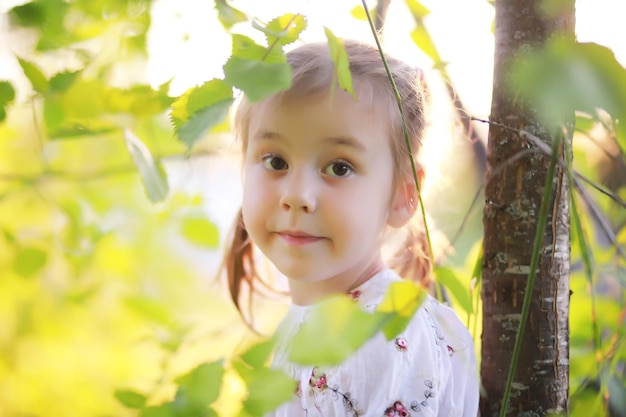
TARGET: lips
(298,238)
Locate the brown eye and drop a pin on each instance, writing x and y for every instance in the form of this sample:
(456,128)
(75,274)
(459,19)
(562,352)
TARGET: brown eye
(339,169)
(274,163)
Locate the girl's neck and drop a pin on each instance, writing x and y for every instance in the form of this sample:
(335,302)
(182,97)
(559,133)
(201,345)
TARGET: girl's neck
(307,293)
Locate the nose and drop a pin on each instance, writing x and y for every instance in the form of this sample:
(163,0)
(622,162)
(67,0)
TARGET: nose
(299,192)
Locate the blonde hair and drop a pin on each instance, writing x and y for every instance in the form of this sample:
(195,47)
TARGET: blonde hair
(313,72)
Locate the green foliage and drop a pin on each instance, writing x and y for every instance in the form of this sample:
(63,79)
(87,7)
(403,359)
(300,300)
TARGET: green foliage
(228,15)
(566,76)
(257,79)
(340,59)
(7,95)
(200,109)
(449,279)
(346,326)
(152,173)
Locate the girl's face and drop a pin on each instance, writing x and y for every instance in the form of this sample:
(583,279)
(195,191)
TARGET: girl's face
(319,191)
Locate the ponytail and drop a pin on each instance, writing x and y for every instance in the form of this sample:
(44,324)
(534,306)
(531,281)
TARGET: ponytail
(239,262)
(412,260)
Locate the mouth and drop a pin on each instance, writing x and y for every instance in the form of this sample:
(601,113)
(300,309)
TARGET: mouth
(298,238)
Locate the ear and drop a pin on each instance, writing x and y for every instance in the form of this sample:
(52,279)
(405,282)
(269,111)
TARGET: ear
(405,200)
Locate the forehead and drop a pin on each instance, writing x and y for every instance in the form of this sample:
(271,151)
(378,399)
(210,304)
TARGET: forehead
(336,119)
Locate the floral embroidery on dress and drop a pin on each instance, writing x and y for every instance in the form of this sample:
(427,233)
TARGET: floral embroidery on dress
(450,350)
(355,294)
(401,344)
(319,384)
(398,409)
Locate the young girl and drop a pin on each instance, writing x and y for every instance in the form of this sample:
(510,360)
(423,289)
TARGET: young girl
(326,176)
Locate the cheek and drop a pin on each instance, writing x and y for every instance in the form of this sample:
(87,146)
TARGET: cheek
(256,197)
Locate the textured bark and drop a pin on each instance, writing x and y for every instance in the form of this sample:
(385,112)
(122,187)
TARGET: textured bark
(513,195)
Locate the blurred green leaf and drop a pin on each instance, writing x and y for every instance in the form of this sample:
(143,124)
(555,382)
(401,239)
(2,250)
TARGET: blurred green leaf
(139,101)
(29,261)
(199,388)
(421,37)
(62,81)
(31,14)
(34,75)
(163,410)
(152,173)
(285,29)
(358,12)
(130,399)
(461,294)
(257,79)
(401,301)
(245,47)
(340,60)
(7,95)
(258,354)
(200,231)
(418,10)
(267,389)
(228,15)
(150,309)
(566,76)
(199,109)
(617,391)
(335,329)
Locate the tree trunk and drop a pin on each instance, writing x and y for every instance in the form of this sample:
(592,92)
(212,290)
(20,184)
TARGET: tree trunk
(513,193)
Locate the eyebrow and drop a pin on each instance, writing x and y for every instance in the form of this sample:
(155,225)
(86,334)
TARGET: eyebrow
(333,140)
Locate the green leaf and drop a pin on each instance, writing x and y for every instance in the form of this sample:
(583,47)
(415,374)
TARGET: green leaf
(150,309)
(152,173)
(7,95)
(399,305)
(139,100)
(448,278)
(130,399)
(421,37)
(258,354)
(477,271)
(358,12)
(267,389)
(228,15)
(565,76)
(29,261)
(35,76)
(335,329)
(163,410)
(200,387)
(245,47)
(200,231)
(341,62)
(199,109)
(31,14)
(285,29)
(62,81)
(257,79)
(418,10)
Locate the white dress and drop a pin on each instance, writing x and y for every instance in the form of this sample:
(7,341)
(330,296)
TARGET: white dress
(428,370)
